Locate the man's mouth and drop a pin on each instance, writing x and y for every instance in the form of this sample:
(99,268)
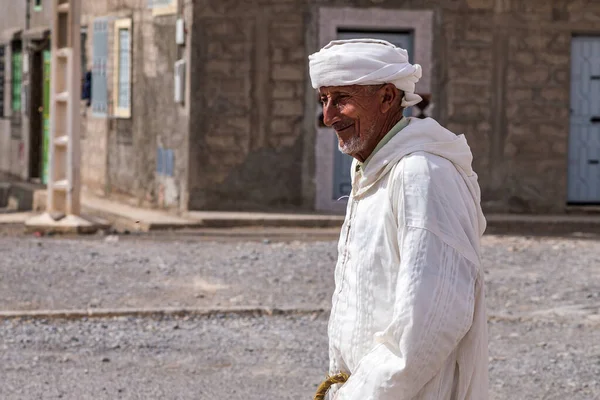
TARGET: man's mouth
(341,128)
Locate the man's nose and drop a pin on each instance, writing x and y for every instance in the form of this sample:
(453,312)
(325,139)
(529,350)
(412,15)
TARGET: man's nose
(331,114)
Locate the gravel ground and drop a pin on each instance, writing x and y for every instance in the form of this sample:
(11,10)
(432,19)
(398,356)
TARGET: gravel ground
(523,275)
(536,275)
(543,300)
(222,357)
(229,357)
(544,359)
(97,272)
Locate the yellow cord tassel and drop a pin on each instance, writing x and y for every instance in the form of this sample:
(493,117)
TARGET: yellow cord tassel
(327,383)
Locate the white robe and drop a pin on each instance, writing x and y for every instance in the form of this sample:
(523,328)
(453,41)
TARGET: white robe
(408,319)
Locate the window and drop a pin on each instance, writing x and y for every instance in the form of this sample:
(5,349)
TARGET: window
(99,62)
(17,77)
(37,5)
(122,72)
(163,7)
(2,69)
(123,76)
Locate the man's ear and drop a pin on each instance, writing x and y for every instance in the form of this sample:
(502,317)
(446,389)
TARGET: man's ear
(390,95)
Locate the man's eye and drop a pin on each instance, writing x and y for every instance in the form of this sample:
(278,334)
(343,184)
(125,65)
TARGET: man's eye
(340,100)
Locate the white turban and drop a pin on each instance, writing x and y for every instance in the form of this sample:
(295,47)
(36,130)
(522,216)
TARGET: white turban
(365,62)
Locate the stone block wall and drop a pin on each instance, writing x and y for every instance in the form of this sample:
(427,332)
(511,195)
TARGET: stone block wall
(506,84)
(527,158)
(248,103)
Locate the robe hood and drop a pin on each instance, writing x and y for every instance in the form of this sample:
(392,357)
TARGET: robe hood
(421,135)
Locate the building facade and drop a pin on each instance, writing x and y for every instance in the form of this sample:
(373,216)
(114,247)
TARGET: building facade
(135,133)
(24,72)
(207,104)
(518,78)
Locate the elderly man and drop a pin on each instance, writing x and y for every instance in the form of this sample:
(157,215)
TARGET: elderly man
(408,319)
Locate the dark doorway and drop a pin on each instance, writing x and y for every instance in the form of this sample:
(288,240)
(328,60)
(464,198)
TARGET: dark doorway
(39,112)
(36,95)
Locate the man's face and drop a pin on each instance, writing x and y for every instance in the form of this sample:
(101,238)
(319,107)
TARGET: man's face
(354,113)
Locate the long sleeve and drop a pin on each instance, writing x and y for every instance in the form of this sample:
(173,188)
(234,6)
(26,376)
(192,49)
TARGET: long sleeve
(433,311)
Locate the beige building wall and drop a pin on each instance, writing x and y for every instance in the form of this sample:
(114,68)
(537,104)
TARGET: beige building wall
(120,153)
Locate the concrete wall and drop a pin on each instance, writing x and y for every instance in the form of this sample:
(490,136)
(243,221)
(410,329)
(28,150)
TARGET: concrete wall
(41,18)
(12,15)
(119,155)
(500,76)
(248,79)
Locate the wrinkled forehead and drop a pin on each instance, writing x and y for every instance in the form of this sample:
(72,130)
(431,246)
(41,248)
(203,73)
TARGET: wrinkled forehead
(332,90)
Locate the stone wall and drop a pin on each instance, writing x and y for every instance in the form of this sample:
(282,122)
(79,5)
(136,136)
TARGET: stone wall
(41,18)
(516,74)
(500,76)
(12,15)
(246,138)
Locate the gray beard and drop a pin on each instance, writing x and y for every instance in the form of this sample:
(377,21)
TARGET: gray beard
(355,144)
(352,146)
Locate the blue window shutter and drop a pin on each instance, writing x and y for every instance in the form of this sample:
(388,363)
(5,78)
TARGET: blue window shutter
(170,162)
(165,162)
(100,60)
(159,161)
